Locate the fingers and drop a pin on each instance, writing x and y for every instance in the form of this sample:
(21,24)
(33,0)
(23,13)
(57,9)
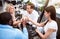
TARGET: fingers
(37,30)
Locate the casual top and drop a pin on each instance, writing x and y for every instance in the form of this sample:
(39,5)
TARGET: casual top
(8,32)
(34,15)
(51,25)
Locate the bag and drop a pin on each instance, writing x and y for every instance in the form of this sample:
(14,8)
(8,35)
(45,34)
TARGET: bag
(31,31)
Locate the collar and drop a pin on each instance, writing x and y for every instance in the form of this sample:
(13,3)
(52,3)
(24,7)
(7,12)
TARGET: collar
(5,26)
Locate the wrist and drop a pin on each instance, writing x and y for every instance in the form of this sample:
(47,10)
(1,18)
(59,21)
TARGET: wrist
(24,25)
(18,21)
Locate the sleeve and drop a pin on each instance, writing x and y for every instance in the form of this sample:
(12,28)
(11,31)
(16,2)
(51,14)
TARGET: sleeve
(22,35)
(36,16)
(53,25)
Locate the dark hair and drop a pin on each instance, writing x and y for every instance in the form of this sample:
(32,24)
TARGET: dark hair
(52,11)
(5,17)
(31,4)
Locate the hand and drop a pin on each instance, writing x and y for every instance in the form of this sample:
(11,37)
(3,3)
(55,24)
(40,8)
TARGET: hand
(24,22)
(37,30)
(29,19)
(21,20)
(25,18)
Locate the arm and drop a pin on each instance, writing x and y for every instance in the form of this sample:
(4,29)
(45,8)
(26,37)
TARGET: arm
(16,22)
(49,31)
(38,24)
(25,32)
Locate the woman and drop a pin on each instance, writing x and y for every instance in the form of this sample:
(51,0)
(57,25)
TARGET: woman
(50,26)
(10,8)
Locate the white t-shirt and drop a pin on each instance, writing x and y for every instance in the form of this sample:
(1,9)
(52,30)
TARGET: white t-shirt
(34,15)
(51,25)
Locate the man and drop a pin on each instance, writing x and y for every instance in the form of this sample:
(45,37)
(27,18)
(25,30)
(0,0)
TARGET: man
(30,12)
(7,31)
(33,14)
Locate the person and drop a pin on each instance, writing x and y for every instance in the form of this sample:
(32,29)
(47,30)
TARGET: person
(30,12)
(10,8)
(50,25)
(7,31)
(33,14)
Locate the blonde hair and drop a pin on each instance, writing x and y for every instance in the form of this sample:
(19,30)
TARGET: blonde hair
(8,7)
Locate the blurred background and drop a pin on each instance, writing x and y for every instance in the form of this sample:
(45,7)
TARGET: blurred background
(39,5)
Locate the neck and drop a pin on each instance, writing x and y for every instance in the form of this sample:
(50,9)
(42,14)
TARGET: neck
(31,11)
(49,19)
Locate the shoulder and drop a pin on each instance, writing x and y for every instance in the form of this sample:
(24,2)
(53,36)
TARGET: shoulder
(35,11)
(53,25)
(18,34)
(17,30)
(53,22)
